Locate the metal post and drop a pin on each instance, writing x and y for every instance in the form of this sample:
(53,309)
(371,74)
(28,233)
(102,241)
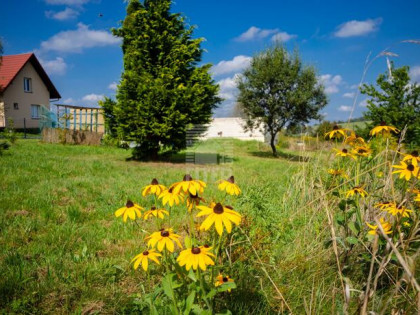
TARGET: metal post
(91,119)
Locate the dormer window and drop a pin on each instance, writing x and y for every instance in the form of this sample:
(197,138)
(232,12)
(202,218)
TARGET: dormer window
(27,85)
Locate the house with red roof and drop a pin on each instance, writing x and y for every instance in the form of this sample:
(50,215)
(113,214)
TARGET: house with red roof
(25,91)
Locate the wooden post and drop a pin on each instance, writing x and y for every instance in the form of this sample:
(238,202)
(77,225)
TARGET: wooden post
(58,116)
(91,119)
(96,120)
(80,119)
(86,117)
(74,118)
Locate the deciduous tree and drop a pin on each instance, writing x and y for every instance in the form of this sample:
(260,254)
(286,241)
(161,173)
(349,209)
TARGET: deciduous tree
(395,101)
(277,91)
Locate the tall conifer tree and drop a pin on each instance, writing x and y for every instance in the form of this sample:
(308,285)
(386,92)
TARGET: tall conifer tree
(163,90)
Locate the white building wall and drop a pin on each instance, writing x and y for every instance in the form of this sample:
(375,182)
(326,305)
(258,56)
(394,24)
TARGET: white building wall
(231,128)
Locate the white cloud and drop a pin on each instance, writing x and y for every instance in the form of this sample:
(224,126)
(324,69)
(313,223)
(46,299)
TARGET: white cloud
(67,2)
(415,73)
(67,101)
(349,95)
(363,103)
(331,83)
(92,97)
(113,86)
(55,66)
(254,33)
(282,37)
(238,63)
(66,14)
(228,90)
(76,41)
(358,28)
(344,108)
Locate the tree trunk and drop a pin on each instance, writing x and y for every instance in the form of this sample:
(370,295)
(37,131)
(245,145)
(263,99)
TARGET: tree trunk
(273,145)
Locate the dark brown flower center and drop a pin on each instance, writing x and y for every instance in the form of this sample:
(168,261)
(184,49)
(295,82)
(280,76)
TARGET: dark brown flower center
(170,190)
(206,246)
(164,233)
(336,127)
(145,253)
(231,180)
(195,250)
(153,208)
(218,208)
(225,279)
(361,151)
(154,182)
(187,177)
(344,151)
(383,123)
(410,167)
(229,207)
(129,204)
(415,153)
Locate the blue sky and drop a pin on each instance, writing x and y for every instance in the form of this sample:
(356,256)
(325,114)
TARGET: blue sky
(73,41)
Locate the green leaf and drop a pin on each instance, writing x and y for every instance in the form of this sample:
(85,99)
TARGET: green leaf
(339,218)
(354,227)
(226,286)
(191,275)
(352,240)
(211,294)
(189,303)
(187,242)
(167,284)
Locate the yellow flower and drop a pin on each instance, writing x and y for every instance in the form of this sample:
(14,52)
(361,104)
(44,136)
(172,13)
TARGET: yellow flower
(169,196)
(164,238)
(362,151)
(417,198)
(144,257)
(195,257)
(230,186)
(221,279)
(383,129)
(413,157)
(394,210)
(406,170)
(131,210)
(356,190)
(354,139)
(385,225)
(345,153)
(219,215)
(154,188)
(384,206)
(337,132)
(193,200)
(188,184)
(338,172)
(157,213)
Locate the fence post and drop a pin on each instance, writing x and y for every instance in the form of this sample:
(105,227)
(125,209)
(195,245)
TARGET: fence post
(24,127)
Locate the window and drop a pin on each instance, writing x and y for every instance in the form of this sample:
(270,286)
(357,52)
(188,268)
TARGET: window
(35,109)
(27,85)
(15,105)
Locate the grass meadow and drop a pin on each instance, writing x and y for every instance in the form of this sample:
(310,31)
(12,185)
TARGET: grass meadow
(63,251)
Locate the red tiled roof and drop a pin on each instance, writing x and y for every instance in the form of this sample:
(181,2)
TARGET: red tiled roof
(12,64)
